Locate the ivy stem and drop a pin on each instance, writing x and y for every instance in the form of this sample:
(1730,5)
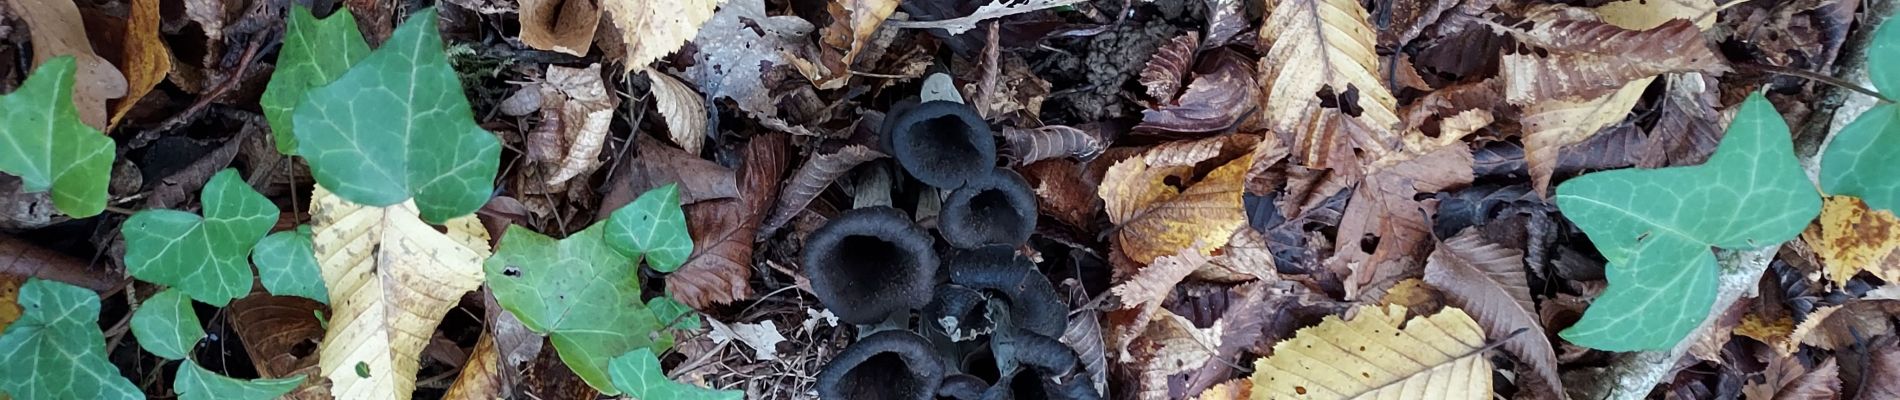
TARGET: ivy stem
(1836,82)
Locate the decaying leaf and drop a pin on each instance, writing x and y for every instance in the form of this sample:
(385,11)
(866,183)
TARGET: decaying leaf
(1151,285)
(281,334)
(1882,379)
(1550,125)
(1216,101)
(684,110)
(1768,330)
(1032,145)
(736,47)
(1487,280)
(1155,219)
(762,337)
(146,58)
(655,28)
(1569,58)
(1787,379)
(720,269)
(1064,191)
(586,109)
(58,30)
(1386,208)
(1170,345)
(994,9)
(1835,327)
(853,32)
(392,278)
(1687,125)
(1168,69)
(1320,53)
(1380,354)
(567,26)
(812,179)
(1850,238)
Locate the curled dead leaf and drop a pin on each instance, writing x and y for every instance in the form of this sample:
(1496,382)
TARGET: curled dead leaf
(654,28)
(1216,101)
(683,109)
(812,179)
(586,110)
(564,26)
(1850,238)
(1488,281)
(1168,69)
(1032,145)
(720,269)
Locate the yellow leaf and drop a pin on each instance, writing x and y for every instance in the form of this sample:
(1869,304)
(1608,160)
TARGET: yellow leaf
(565,26)
(1849,238)
(655,28)
(391,279)
(1237,389)
(1435,357)
(1315,44)
(683,109)
(1760,328)
(1154,219)
(146,59)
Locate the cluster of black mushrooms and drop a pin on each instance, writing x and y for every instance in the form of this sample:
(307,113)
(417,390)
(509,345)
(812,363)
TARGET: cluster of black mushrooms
(988,319)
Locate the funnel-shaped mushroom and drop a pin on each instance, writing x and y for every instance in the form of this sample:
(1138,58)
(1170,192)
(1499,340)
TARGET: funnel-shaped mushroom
(941,143)
(1033,305)
(870,262)
(956,313)
(1045,369)
(996,208)
(962,387)
(889,365)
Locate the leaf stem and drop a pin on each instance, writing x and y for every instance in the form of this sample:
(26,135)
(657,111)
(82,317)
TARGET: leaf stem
(1809,75)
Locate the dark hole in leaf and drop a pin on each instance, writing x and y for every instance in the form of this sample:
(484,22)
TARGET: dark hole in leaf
(511,271)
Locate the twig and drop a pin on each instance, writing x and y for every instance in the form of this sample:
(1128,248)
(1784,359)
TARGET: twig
(995,9)
(1831,81)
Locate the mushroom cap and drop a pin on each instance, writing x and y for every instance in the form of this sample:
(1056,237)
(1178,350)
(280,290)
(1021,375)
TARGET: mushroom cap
(963,304)
(996,208)
(870,262)
(1046,369)
(941,143)
(1033,303)
(888,365)
(962,387)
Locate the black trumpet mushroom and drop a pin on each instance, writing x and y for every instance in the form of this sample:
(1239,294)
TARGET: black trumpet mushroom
(1033,304)
(1045,370)
(962,387)
(888,365)
(941,143)
(870,262)
(996,208)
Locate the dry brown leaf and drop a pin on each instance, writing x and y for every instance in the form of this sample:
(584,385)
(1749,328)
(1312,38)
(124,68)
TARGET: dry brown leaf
(1317,46)
(1552,124)
(720,268)
(1417,297)
(1566,58)
(1386,207)
(1786,379)
(736,46)
(1487,280)
(1225,19)
(1882,378)
(1170,345)
(1168,68)
(683,109)
(1149,286)
(567,26)
(393,278)
(1216,101)
(1238,389)
(19,257)
(654,28)
(146,58)
(586,108)
(812,179)
(1769,330)
(659,164)
(281,334)
(1380,354)
(1262,178)
(1155,219)
(1246,257)
(481,376)
(1064,191)
(1834,327)
(853,32)
(58,30)
(1850,238)
(1032,145)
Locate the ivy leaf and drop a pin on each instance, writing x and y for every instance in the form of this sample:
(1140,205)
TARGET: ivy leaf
(1655,226)
(166,325)
(652,226)
(287,263)
(638,375)
(673,314)
(582,294)
(397,125)
(197,383)
(49,147)
(56,351)
(315,52)
(204,256)
(1864,157)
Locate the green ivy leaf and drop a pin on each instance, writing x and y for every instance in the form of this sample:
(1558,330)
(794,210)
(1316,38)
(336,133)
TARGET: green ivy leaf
(673,314)
(652,226)
(583,295)
(205,256)
(55,349)
(167,326)
(1864,158)
(47,146)
(315,52)
(638,374)
(287,263)
(396,126)
(197,383)
(1655,226)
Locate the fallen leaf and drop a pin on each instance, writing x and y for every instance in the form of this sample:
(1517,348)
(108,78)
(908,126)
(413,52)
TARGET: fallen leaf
(1571,58)
(481,377)
(1487,280)
(1225,19)
(567,26)
(146,58)
(1841,326)
(1767,330)
(1882,379)
(1386,209)
(57,30)
(1238,389)
(1155,219)
(586,110)
(762,337)
(1152,284)
(281,334)
(392,278)
(720,269)
(1064,191)
(1316,47)
(683,109)
(1216,101)
(1168,68)
(1549,125)
(853,32)
(1170,345)
(658,164)
(1786,379)
(655,28)
(1380,354)
(1052,141)
(992,10)
(1851,238)
(736,47)
(812,179)
(1687,126)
